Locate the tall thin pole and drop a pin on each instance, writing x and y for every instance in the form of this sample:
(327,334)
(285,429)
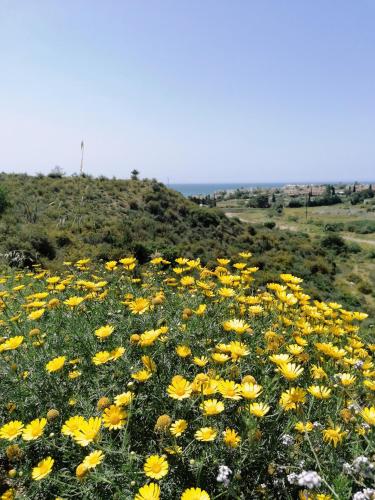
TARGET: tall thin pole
(82,150)
(81,189)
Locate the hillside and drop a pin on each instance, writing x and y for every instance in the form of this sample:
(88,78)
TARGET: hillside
(50,220)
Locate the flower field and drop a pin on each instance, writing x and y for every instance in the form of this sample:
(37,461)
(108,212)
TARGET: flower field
(175,381)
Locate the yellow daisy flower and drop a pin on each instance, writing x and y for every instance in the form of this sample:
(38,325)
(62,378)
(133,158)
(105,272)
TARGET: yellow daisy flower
(195,494)
(55,364)
(34,429)
(180,388)
(149,491)
(178,427)
(11,430)
(212,407)
(43,468)
(93,459)
(205,434)
(231,438)
(114,417)
(259,409)
(156,467)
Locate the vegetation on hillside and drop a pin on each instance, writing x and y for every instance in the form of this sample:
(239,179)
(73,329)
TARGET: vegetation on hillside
(344,231)
(52,219)
(176,381)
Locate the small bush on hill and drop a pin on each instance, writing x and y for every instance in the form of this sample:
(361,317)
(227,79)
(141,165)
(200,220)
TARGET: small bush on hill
(334,242)
(3,199)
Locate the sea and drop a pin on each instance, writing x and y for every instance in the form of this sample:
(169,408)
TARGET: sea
(205,189)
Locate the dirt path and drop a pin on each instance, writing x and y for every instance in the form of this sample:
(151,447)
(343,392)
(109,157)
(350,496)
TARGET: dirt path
(289,227)
(231,214)
(295,228)
(359,240)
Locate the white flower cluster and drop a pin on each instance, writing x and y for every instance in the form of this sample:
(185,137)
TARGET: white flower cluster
(287,440)
(292,478)
(224,475)
(366,494)
(360,465)
(355,407)
(307,479)
(347,468)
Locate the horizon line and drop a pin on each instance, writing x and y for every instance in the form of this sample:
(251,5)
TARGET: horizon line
(197,183)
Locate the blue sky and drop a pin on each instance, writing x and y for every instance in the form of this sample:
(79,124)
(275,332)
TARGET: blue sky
(190,90)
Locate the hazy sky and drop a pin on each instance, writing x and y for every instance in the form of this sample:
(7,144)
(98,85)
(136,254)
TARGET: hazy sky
(190,90)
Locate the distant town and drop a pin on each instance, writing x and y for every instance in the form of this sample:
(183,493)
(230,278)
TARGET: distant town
(292,195)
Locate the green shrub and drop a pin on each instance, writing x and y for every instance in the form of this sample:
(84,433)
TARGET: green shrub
(335,227)
(354,278)
(3,199)
(296,204)
(361,227)
(365,288)
(269,224)
(354,248)
(335,243)
(320,265)
(63,240)
(259,201)
(43,246)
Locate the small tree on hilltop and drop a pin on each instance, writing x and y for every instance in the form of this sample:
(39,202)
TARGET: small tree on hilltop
(56,173)
(134,175)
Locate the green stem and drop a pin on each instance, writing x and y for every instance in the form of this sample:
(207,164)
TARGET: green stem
(320,467)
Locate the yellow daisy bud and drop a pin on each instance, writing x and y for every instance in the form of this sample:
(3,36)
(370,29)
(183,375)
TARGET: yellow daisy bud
(52,414)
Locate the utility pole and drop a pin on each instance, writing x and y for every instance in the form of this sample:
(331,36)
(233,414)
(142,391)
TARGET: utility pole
(82,150)
(79,216)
